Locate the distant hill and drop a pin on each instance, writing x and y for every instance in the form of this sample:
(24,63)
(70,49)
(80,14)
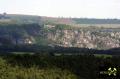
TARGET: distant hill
(80,20)
(96,21)
(18,18)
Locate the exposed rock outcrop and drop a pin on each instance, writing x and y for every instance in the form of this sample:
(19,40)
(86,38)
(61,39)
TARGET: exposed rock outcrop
(98,38)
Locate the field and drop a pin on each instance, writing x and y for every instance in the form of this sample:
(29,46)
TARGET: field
(102,55)
(96,25)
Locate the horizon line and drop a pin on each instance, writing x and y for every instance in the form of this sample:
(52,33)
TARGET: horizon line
(67,17)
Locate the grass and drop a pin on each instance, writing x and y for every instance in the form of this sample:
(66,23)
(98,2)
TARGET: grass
(103,55)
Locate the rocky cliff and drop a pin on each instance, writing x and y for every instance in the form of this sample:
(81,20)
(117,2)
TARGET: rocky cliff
(85,38)
(67,32)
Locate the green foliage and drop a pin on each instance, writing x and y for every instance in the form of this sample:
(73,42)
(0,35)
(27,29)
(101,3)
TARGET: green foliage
(18,32)
(103,55)
(41,41)
(37,66)
(62,27)
(24,19)
(17,72)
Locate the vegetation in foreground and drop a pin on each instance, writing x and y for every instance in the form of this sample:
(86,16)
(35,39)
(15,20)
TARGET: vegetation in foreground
(35,66)
(30,67)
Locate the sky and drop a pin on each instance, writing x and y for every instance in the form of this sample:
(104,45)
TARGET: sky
(63,8)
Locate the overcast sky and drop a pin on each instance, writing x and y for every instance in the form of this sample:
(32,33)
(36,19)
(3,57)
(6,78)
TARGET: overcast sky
(65,8)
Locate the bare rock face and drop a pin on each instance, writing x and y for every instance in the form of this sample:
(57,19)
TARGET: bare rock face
(98,38)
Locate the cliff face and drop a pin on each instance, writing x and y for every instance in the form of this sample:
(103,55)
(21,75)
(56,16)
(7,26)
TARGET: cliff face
(61,35)
(67,32)
(83,38)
